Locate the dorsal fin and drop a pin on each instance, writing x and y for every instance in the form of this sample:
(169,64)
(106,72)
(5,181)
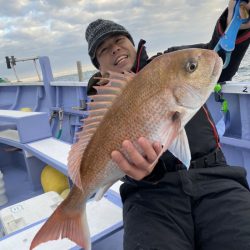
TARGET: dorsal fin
(102,98)
(119,84)
(98,105)
(90,120)
(91,125)
(104,90)
(86,132)
(96,111)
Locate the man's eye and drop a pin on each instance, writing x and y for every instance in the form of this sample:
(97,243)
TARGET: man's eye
(103,50)
(120,39)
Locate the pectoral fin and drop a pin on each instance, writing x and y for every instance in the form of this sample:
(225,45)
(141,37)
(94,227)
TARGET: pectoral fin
(169,133)
(101,191)
(180,148)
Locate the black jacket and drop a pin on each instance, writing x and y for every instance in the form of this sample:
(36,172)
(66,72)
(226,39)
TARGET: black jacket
(201,131)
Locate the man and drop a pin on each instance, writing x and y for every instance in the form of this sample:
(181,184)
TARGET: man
(168,207)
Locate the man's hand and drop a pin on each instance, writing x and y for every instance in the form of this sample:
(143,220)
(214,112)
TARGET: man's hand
(141,165)
(244,13)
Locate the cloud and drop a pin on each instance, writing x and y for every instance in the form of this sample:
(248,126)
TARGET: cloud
(56,28)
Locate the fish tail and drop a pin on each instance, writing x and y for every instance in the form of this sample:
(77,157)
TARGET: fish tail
(65,222)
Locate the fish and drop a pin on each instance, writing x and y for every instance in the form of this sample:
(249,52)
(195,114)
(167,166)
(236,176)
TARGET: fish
(156,103)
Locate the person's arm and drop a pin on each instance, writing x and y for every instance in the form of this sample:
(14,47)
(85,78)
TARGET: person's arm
(241,45)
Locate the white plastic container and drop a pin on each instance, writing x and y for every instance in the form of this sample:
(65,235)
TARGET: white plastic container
(3,197)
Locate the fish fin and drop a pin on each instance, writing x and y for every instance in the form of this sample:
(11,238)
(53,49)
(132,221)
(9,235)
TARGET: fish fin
(86,131)
(180,148)
(117,83)
(107,90)
(102,190)
(75,160)
(102,98)
(90,120)
(170,131)
(65,222)
(168,134)
(99,105)
(91,125)
(76,154)
(97,110)
(77,150)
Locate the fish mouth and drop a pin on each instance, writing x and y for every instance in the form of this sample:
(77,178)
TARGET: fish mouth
(120,59)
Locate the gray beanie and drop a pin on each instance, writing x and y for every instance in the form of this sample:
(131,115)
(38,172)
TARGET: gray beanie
(98,31)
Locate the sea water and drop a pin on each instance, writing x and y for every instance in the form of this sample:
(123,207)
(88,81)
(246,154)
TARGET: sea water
(243,74)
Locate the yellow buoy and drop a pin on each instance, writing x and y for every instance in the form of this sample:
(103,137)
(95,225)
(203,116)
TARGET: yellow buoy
(26,109)
(53,180)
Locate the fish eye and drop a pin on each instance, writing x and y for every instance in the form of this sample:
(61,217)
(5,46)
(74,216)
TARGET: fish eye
(191,66)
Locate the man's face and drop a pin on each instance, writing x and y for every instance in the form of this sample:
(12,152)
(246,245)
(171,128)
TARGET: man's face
(116,53)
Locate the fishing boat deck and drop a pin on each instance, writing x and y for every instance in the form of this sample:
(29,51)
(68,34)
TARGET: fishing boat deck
(30,141)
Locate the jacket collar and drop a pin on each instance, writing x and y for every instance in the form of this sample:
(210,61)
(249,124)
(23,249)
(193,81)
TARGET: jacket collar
(141,57)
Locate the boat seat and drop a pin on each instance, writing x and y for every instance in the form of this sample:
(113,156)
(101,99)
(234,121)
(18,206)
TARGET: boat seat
(51,151)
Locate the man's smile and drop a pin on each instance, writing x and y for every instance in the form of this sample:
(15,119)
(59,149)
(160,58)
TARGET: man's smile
(120,59)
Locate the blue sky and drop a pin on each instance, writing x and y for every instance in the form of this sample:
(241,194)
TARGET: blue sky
(56,28)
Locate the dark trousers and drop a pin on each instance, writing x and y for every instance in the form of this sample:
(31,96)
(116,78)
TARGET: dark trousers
(199,209)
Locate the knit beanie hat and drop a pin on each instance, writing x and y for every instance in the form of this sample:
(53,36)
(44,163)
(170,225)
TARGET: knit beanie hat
(98,31)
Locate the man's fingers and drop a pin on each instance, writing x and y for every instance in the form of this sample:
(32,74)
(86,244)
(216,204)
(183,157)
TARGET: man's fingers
(135,157)
(129,169)
(129,75)
(120,160)
(244,13)
(148,149)
(137,165)
(157,147)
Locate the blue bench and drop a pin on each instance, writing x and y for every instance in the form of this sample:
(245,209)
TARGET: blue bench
(33,136)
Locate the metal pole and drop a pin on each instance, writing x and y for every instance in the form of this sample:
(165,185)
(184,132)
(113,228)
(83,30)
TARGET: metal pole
(26,59)
(13,67)
(79,71)
(37,70)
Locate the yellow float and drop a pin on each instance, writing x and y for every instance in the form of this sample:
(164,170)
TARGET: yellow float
(26,109)
(53,180)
